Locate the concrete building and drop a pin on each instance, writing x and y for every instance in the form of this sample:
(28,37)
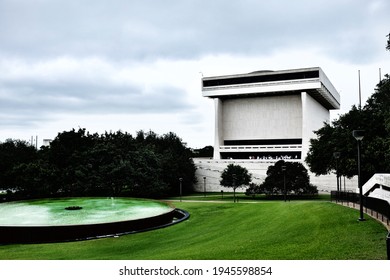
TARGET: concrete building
(265,116)
(378,186)
(269,114)
(46,142)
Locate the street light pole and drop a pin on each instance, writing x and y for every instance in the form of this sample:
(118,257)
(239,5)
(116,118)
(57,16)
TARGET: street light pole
(359,134)
(204,185)
(284,182)
(180,180)
(234,187)
(336,155)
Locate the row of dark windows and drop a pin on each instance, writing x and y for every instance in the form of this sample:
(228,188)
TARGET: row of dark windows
(293,141)
(262,78)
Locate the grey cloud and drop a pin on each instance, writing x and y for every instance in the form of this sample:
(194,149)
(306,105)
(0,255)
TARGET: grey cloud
(24,104)
(126,31)
(184,29)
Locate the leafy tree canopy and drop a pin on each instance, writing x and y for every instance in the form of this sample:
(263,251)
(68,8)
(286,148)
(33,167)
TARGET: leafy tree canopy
(374,119)
(235,176)
(206,151)
(292,175)
(12,153)
(78,163)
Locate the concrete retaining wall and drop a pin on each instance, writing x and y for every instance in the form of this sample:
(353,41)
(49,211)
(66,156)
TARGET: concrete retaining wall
(212,170)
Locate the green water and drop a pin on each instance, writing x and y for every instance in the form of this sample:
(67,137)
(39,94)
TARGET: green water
(52,212)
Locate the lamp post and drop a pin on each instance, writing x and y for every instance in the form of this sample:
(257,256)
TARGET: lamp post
(358,135)
(180,180)
(336,155)
(234,186)
(204,185)
(284,182)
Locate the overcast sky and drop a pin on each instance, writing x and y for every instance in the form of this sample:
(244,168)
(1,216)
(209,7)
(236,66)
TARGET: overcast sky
(137,65)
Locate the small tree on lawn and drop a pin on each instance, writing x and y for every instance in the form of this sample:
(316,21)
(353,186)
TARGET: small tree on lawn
(235,176)
(296,179)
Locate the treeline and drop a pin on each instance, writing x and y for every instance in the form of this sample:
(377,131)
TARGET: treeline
(78,163)
(335,149)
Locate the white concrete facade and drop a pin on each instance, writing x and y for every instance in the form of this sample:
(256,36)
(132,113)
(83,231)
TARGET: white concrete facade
(378,186)
(269,117)
(269,114)
(265,116)
(209,171)
(313,117)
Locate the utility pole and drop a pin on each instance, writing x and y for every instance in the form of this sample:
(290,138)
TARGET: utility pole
(360,94)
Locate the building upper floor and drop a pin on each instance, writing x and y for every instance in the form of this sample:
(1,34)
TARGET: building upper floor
(268,83)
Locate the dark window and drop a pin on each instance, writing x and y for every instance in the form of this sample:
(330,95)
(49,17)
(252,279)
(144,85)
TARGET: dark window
(262,78)
(295,141)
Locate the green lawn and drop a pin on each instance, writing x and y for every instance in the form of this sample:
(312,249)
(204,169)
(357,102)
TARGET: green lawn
(273,230)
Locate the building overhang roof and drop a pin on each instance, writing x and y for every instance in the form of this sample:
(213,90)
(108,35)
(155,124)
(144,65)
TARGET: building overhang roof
(273,83)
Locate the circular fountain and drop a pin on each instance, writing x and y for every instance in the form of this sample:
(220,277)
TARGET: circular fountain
(65,219)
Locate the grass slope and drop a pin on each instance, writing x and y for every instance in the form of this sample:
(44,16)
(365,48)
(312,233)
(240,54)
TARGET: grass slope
(267,230)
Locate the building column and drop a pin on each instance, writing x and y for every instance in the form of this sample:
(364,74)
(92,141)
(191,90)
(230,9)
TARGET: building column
(305,139)
(218,136)
(314,115)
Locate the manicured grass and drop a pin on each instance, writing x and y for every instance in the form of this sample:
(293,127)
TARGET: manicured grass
(266,230)
(229,197)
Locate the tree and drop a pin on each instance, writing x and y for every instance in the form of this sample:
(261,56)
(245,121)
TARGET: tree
(295,178)
(235,176)
(78,163)
(374,119)
(12,154)
(176,159)
(388,42)
(205,152)
(335,137)
(69,153)
(35,179)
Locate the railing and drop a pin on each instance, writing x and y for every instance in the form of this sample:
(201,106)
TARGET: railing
(297,147)
(371,205)
(388,245)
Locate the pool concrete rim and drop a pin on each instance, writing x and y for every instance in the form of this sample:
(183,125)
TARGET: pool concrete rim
(102,198)
(78,232)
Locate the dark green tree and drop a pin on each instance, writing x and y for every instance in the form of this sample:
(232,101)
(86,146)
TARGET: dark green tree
(374,119)
(107,167)
(12,154)
(148,170)
(69,153)
(388,42)
(295,178)
(335,137)
(35,179)
(205,152)
(78,163)
(235,176)
(176,159)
